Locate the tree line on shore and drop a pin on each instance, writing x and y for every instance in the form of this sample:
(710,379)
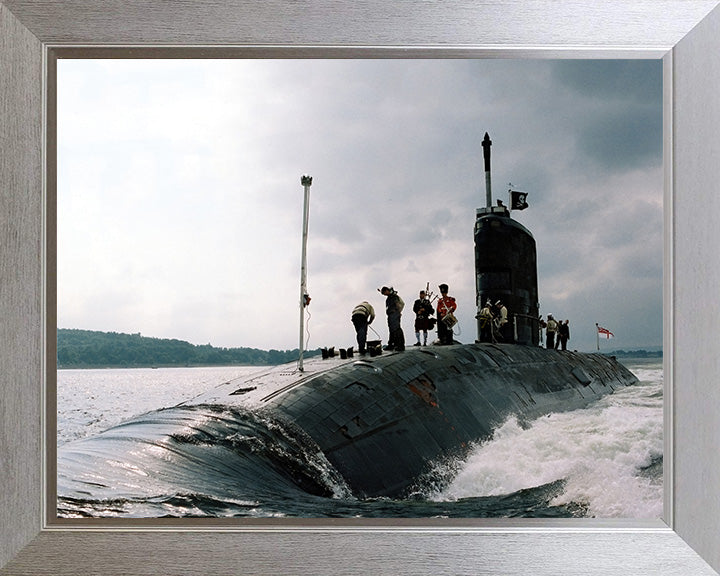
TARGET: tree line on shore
(93,349)
(635,353)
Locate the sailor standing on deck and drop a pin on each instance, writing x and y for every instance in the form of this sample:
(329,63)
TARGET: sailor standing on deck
(423,310)
(550,331)
(542,326)
(362,316)
(502,320)
(394,306)
(563,334)
(445,308)
(486,320)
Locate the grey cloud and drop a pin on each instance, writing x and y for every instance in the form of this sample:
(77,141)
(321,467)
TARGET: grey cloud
(622,126)
(611,79)
(623,139)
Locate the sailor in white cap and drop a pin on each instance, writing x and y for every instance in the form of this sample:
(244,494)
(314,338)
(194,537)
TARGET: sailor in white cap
(550,331)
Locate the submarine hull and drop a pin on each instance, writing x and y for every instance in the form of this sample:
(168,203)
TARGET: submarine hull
(387,423)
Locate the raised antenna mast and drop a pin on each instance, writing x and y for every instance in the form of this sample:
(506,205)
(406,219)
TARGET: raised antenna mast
(486,143)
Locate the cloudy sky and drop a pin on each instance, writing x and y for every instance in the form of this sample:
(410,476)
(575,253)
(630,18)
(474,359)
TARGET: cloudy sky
(180,204)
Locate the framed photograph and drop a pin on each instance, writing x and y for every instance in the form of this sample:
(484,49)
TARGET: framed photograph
(682,543)
(183,222)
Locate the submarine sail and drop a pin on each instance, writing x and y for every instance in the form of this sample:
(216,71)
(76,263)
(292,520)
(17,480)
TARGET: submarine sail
(506,268)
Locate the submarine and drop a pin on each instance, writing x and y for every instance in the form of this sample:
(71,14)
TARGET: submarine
(391,423)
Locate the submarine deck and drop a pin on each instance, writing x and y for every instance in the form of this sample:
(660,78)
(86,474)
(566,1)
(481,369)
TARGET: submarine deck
(385,422)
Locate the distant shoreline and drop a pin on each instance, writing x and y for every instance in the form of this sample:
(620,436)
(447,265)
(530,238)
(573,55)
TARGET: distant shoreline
(90,349)
(635,353)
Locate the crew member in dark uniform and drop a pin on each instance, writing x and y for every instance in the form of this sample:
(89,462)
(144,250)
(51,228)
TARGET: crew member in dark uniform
(394,306)
(362,316)
(423,310)
(563,333)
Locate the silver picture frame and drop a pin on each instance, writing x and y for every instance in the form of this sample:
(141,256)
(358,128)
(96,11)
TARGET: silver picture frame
(684,33)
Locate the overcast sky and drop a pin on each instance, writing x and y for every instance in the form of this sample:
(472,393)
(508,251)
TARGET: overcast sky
(180,203)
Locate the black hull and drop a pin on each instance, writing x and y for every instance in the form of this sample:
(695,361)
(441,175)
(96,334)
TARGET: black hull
(386,422)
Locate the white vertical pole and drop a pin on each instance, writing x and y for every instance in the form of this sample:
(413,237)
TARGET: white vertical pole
(306,182)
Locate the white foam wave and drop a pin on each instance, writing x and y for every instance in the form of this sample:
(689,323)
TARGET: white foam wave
(599,452)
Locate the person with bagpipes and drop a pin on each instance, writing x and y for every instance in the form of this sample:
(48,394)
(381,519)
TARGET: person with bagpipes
(423,310)
(446,307)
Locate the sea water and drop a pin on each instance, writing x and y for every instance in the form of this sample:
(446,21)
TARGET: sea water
(603,461)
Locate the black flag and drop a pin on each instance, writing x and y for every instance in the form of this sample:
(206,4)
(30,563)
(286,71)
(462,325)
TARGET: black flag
(518,200)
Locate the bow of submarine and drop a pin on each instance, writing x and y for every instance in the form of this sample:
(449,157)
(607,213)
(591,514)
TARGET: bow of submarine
(385,422)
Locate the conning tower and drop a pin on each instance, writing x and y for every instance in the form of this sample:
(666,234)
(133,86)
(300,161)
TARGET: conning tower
(506,265)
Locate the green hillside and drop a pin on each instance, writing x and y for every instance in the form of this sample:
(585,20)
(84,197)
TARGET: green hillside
(91,349)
